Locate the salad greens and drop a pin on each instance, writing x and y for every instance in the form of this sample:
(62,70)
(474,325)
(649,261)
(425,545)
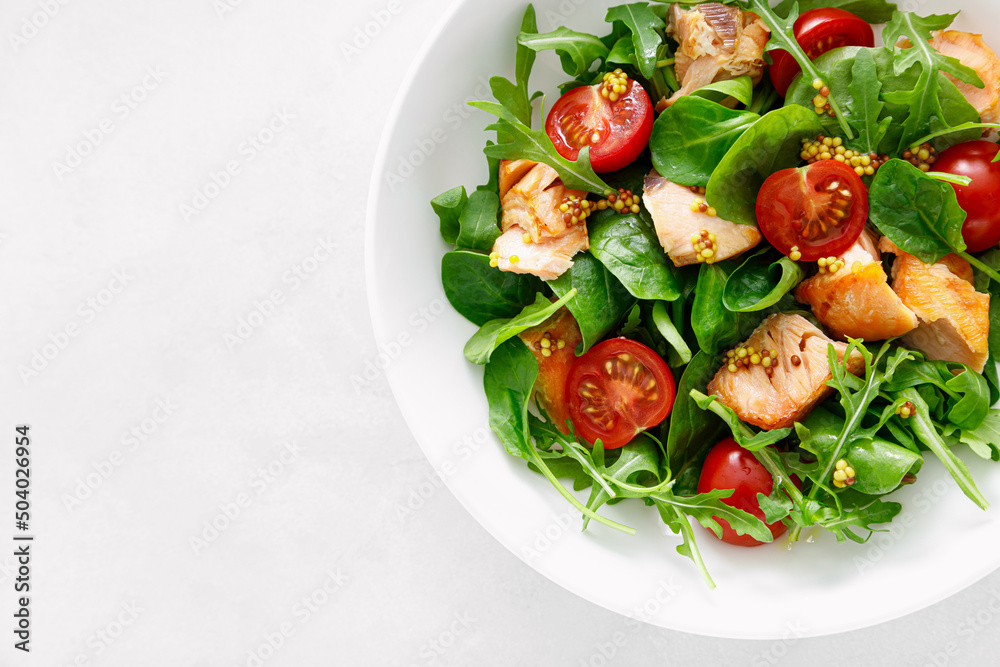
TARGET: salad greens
(887,411)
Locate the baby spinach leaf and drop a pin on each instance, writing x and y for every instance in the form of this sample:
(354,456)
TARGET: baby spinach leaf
(740,89)
(864,108)
(872,11)
(508,380)
(481,293)
(926,430)
(627,247)
(518,141)
(495,332)
(601,301)
(664,325)
(692,136)
(760,283)
(918,213)
(478,227)
(985,439)
(923,100)
(772,143)
(449,206)
(715,326)
(692,429)
(623,53)
(643,24)
(577,51)
(514,95)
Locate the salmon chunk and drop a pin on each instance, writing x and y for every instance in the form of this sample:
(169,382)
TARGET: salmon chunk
(555,359)
(954,317)
(676,224)
(536,238)
(856,301)
(548,259)
(973,52)
(717,43)
(795,383)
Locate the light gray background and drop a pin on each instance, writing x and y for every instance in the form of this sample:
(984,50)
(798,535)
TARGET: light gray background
(155,413)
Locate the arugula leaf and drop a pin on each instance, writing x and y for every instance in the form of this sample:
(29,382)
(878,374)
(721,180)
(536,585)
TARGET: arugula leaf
(926,430)
(478,227)
(666,327)
(872,11)
(449,206)
(627,247)
(692,430)
(772,143)
(692,136)
(985,439)
(923,100)
(601,302)
(514,95)
(638,461)
(748,439)
(577,51)
(865,107)
(495,332)
(526,143)
(708,508)
(760,283)
(481,293)
(643,24)
(973,404)
(623,53)
(678,522)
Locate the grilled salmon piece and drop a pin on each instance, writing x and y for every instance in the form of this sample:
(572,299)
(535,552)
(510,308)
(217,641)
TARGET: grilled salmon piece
(787,392)
(532,203)
(675,222)
(717,43)
(954,317)
(548,259)
(973,52)
(536,238)
(856,301)
(555,359)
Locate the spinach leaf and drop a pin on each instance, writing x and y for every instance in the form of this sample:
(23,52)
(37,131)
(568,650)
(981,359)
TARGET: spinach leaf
(715,326)
(495,332)
(865,107)
(478,222)
(772,143)
(665,326)
(508,380)
(879,464)
(481,293)
(740,89)
(872,11)
(985,439)
(926,430)
(643,24)
(518,141)
(918,213)
(514,95)
(627,247)
(601,301)
(760,283)
(692,430)
(449,206)
(692,136)
(923,101)
(623,53)
(577,51)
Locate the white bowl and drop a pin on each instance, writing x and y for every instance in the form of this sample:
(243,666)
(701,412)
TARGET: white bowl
(940,544)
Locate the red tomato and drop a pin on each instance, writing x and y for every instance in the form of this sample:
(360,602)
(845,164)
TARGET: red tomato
(981,198)
(617,132)
(617,390)
(821,209)
(729,466)
(818,31)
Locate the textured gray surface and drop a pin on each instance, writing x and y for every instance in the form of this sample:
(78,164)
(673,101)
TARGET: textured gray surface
(318,561)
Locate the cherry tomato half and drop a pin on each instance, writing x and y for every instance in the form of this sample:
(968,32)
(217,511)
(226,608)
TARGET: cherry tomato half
(818,31)
(617,132)
(729,466)
(617,390)
(821,209)
(981,198)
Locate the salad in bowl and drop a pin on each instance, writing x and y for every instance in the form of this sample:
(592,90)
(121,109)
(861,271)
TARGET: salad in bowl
(743,269)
